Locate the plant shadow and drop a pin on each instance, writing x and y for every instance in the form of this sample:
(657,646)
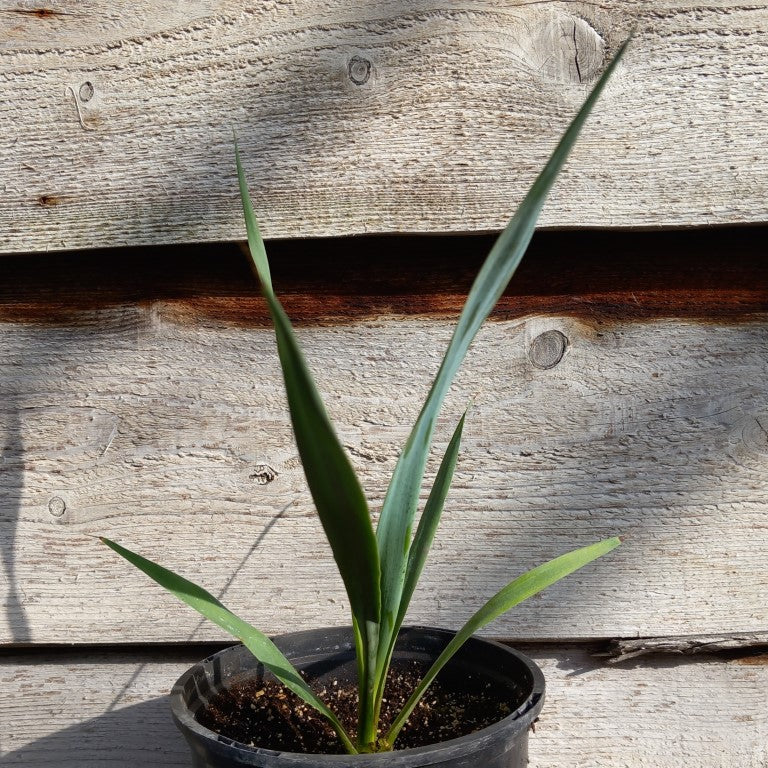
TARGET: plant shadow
(135,736)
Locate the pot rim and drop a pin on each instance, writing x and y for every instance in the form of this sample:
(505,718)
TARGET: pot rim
(508,727)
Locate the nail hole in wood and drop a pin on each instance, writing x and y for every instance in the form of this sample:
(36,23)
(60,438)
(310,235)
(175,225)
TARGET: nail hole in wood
(86,91)
(264,474)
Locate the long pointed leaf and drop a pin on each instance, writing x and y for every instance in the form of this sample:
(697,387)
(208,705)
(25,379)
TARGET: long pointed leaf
(523,587)
(429,522)
(422,541)
(337,494)
(256,642)
(396,520)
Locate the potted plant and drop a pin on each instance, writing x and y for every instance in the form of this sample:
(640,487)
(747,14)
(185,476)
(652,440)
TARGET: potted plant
(380,569)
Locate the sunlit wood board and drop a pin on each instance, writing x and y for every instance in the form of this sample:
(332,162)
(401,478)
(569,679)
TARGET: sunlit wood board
(422,116)
(87,710)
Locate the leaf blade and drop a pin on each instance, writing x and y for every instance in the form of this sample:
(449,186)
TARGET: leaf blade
(530,583)
(422,542)
(257,643)
(430,520)
(255,242)
(402,495)
(337,494)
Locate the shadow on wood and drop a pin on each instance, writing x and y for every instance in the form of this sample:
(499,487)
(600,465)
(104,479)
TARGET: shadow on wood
(151,413)
(88,709)
(137,736)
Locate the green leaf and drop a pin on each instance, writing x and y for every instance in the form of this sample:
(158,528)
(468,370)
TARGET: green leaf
(523,587)
(256,642)
(396,520)
(337,494)
(429,522)
(422,541)
(255,242)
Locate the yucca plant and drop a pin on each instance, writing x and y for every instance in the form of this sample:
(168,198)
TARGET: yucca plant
(381,568)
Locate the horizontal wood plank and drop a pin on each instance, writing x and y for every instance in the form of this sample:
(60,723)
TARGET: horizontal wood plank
(87,710)
(371,117)
(161,423)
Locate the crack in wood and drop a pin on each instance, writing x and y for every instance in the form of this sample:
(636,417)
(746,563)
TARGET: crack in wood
(40,13)
(623,649)
(576,53)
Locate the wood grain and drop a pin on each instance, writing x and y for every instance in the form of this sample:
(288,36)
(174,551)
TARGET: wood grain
(87,710)
(161,424)
(372,117)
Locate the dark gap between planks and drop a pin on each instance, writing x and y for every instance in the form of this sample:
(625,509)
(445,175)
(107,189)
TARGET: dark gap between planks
(601,652)
(710,275)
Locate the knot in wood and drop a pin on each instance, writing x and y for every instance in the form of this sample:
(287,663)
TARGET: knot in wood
(57,506)
(547,349)
(568,49)
(359,70)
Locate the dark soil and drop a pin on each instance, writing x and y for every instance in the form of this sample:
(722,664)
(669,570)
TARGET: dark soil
(263,713)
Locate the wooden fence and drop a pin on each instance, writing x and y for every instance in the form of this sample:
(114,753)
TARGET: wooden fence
(620,387)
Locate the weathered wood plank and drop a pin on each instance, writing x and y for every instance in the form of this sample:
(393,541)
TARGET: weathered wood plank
(160,422)
(83,710)
(652,715)
(623,649)
(371,117)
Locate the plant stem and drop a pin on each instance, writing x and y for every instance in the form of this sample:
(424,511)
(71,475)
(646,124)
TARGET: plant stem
(366,645)
(382,670)
(367,720)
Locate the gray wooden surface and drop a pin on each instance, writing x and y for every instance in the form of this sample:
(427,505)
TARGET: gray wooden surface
(168,434)
(96,709)
(619,389)
(116,119)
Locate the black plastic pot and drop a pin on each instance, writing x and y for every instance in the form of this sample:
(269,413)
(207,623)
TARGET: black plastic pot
(330,651)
